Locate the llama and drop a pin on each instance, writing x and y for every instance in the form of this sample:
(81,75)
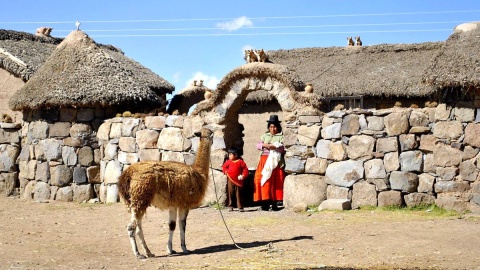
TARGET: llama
(166,185)
(255,56)
(43,31)
(350,41)
(250,56)
(5,118)
(261,55)
(246,56)
(358,41)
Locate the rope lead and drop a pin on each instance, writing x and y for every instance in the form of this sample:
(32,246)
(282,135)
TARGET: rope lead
(267,247)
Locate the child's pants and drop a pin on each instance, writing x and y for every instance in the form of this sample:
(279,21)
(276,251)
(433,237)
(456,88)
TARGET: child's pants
(234,191)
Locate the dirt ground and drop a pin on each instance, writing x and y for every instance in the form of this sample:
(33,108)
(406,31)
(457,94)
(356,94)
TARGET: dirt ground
(58,235)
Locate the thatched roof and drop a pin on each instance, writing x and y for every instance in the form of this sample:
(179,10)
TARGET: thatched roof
(82,73)
(458,63)
(378,70)
(22,53)
(186,98)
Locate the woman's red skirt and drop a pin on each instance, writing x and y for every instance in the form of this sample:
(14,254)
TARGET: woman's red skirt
(272,190)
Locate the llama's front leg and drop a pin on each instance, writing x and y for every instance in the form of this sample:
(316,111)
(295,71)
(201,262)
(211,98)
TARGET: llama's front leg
(182,217)
(172,223)
(131,228)
(142,239)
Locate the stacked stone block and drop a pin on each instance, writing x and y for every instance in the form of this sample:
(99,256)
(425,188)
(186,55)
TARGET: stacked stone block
(393,157)
(60,156)
(125,141)
(398,156)
(9,151)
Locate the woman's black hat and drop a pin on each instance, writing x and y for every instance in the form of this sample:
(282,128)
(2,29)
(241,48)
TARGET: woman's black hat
(273,119)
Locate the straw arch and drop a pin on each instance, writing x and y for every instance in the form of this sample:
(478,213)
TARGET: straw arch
(278,80)
(263,83)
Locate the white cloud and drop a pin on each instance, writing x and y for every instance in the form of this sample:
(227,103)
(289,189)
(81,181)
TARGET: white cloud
(235,24)
(209,81)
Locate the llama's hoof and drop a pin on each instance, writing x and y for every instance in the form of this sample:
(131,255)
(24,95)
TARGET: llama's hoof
(150,255)
(171,252)
(141,257)
(185,252)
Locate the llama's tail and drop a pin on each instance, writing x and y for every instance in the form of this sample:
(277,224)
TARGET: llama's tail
(124,186)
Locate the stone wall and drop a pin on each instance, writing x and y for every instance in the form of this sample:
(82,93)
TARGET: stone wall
(60,156)
(370,158)
(366,158)
(9,151)
(158,138)
(391,157)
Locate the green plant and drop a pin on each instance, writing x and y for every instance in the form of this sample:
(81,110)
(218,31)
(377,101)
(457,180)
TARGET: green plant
(216,206)
(368,208)
(312,208)
(434,209)
(423,209)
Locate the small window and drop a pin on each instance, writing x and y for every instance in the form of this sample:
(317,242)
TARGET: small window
(349,102)
(454,95)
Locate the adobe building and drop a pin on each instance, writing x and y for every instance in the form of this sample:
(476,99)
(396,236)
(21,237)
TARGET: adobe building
(21,55)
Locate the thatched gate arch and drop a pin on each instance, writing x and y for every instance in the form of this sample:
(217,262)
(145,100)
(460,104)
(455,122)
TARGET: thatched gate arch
(256,83)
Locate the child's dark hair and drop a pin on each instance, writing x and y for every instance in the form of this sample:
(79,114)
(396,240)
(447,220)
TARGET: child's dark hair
(234,151)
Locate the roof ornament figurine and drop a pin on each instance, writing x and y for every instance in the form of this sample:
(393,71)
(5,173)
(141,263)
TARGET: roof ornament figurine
(77,24)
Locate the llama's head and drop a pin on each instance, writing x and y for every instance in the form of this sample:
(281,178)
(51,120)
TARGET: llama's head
(205,133)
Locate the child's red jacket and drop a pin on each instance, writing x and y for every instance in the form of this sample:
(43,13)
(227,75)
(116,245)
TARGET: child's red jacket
(234,169)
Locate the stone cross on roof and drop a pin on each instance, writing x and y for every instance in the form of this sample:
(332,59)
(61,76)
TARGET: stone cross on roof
(77,24)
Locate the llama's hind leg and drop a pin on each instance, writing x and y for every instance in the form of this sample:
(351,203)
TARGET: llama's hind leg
(182,218)
(139,233)
(172,223)
(131,229)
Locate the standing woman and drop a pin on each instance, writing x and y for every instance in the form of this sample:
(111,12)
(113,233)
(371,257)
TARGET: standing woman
(270,174)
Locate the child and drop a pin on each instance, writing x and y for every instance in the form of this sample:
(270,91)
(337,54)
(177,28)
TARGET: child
(236,171)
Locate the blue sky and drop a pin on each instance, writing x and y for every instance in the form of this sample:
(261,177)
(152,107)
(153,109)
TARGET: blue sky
(183,40)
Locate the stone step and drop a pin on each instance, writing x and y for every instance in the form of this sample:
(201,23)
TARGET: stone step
(335,204)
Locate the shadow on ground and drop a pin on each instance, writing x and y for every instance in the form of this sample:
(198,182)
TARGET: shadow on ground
(256,244)
(227,247)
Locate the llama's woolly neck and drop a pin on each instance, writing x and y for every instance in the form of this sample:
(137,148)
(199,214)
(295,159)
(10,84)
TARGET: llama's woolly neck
(202,159)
